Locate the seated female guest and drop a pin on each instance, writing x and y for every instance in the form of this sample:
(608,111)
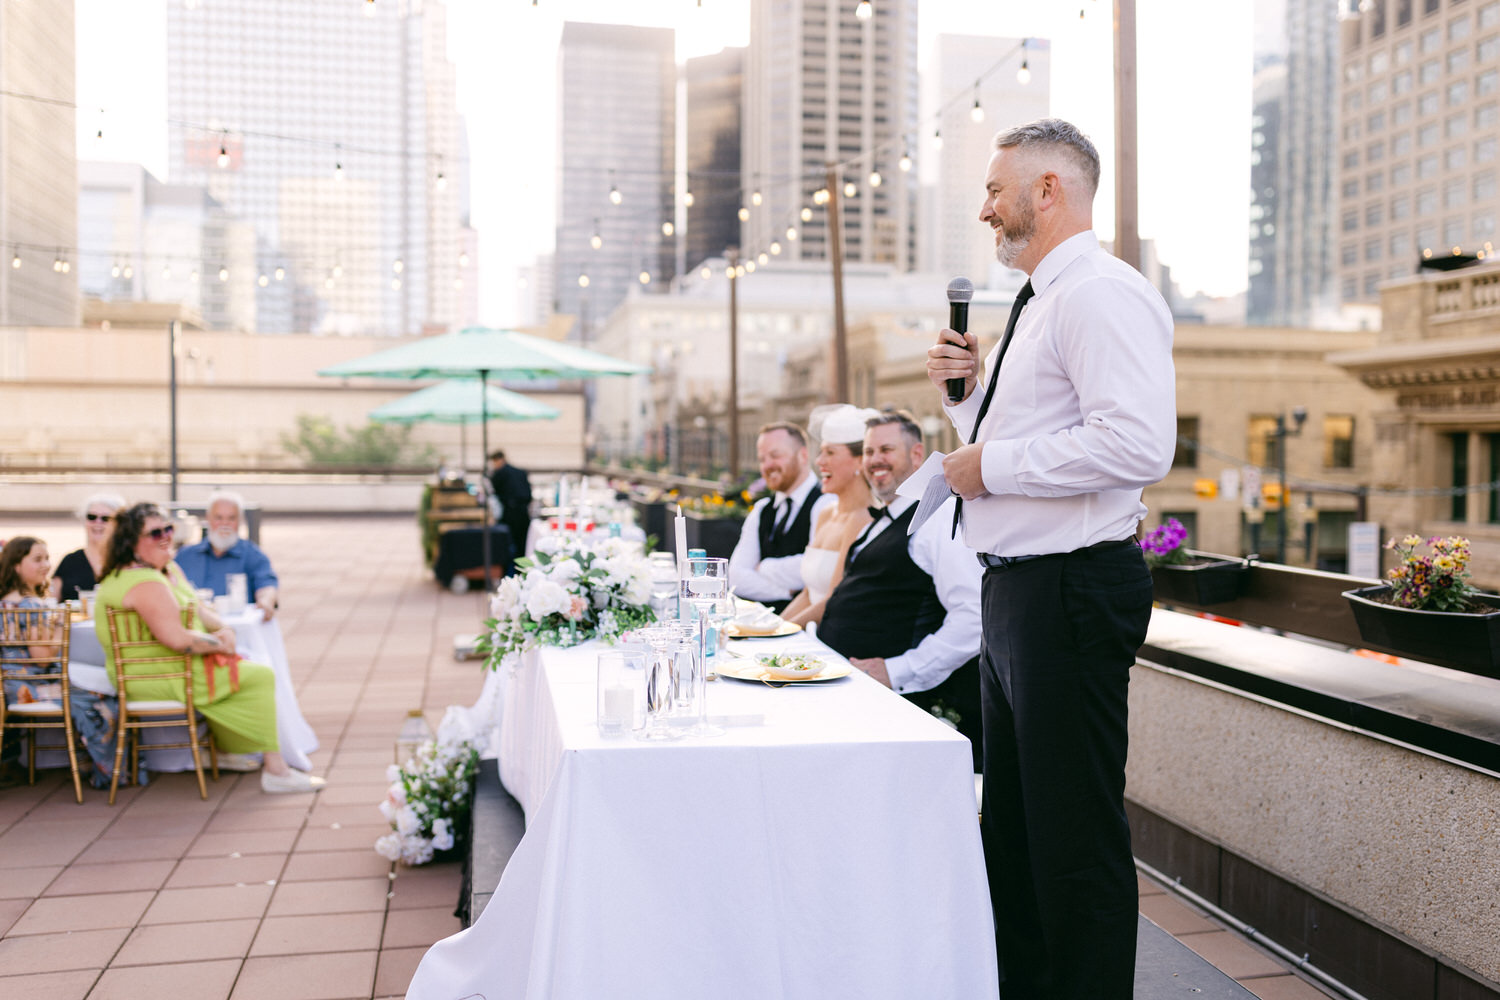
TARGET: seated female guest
(25,572)
(79,570)
(139,575)
(840,429)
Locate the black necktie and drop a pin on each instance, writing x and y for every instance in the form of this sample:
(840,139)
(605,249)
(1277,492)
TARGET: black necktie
(779,528)
(1022,297)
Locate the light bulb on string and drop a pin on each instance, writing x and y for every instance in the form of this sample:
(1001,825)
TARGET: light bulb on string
(1023,75)
(193,276)
(706,273)
(67,266)
(280,273)
(223,273)
(864,10)
(328,281)
(744,214)
(905,162)
(667,229)
(806,214)
(596,241)
(729,272)
(15,261)
(739,270)
(775,247)
(749,266)
(463,259)
(687,198)
(937,138)
(398,265)
(875,179)
(976,113)
(614,191)
(127,271)
(57,263)
(645,277)
(583,281)
(755,198)
(166,272)
(763,258)
(114,272)
(338,171)
(338,270)
(791,234)
(458,284)
(395,284)
(820,196)
(441,182)
(223,158)
(850,189)
(263,280)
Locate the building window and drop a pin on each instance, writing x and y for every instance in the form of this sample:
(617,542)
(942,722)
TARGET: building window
(1401,175)
(1489,15)
(1401,113)
(1351,188)
(1484,185)
(1487,49)
(1459,443)
(1456,125)
(1375,122)
(1458,29)
(1349,255)
(1427,201)
(1372,284)
(1426,237)
(1261,443)
(1186,455)
(1351,221)
(1429,71)
(1487,83)
(1487,116)
(1372,248)
(1427,104)
(1264,537)
(1455,158)
(1400,207)
(1432,37)
(1427,135)
(1485,149)
(1338,441)
(1401,144)
(1453,232)
(1374,213)
(1453,193)
(1400,244)
(1484,225)
(1458,61)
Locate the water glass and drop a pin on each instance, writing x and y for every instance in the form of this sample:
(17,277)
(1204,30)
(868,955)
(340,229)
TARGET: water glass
(621,701)
(704,585)
(237,586)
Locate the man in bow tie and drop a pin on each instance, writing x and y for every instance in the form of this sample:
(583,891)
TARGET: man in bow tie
(766,564)
(907,609)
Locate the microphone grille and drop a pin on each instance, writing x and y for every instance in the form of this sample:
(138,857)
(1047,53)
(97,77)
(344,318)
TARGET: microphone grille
(960,290)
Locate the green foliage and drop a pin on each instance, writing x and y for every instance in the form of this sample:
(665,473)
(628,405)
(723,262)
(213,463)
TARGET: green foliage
(318,442)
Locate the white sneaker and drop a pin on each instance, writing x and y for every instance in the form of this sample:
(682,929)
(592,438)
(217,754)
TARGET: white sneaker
(292,781)
(239,761)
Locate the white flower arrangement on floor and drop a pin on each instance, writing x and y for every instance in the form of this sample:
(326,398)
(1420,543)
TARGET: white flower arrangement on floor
(566,596)
(427,804)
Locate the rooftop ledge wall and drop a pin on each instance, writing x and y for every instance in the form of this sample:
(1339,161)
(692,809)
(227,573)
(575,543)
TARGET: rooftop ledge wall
(1405,839)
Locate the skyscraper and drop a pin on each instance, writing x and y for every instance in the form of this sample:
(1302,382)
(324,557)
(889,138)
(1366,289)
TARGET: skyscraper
(331,128)
(38,166)
(616,153)
(715,89)
(969,71)
(1419,144)
(1293,144)
(825,86)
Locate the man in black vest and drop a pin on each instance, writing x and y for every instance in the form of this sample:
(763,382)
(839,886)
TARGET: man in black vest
(766,565)
(512,488)
(907,610)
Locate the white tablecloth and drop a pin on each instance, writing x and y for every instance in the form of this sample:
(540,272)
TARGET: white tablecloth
(830,851)
(256,640)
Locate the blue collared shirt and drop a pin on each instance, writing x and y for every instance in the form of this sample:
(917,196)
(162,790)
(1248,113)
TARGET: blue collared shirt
(206,568)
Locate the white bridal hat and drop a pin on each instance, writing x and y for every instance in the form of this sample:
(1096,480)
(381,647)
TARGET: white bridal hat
(839,423)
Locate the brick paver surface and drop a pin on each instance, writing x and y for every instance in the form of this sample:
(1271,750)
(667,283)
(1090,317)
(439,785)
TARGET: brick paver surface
(249,896)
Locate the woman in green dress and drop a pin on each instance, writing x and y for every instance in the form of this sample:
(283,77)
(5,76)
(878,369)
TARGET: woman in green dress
(139,575)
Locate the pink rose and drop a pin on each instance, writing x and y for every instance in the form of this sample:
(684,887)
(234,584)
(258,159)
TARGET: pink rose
(576,607)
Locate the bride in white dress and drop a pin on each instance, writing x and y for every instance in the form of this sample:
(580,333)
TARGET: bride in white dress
(840,430)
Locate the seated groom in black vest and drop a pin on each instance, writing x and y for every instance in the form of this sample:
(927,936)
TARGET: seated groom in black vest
(766,565)
(907,609)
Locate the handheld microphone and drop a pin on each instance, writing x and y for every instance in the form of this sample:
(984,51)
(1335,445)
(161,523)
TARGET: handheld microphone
(960,291)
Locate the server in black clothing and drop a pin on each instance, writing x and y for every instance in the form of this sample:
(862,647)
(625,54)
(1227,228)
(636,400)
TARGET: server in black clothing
(1076,415)
(766,564)
(907,609)
(512,488)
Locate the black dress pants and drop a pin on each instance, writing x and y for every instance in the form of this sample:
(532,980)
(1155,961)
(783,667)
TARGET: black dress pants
(1060,635)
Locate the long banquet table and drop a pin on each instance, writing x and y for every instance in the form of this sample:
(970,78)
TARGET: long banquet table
(825,846)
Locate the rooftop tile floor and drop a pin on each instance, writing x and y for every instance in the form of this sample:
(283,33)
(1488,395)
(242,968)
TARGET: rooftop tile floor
(249,896)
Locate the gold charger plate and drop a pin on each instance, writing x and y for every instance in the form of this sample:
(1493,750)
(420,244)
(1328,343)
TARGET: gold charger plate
(783,629)
(750,670)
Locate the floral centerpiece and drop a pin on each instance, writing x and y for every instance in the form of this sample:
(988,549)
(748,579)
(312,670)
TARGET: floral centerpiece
(1162,545)
(568,595)
(428,800)
(1437,580)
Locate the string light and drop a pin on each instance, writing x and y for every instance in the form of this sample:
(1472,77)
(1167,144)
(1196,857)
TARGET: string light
(114,272)
(223,273)
(596,241)
(791,234)
(729,272)
(338,171)
(749,266)
(806,214)
(976,113)
(463,259)
(687,198)
(57,262)
(583,281)
(905,162)
(128,271)
(667,229)
(850,189)
(775,248)
(328,281)
(763,258)
(937,138)
(458,284)
(398,265)
(442,182)
(706,273)
(755,198)
(875,178)
(645,277)
(863,10)
(744,214)
(193,276)
(614,192)
(395,284)
(166,272)
(280,273)
(263,281)
(739,271)
(15,262)
(223,159)
(820,196)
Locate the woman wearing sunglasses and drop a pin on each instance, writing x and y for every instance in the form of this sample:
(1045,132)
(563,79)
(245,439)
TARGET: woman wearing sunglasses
(139,574)
(79,570)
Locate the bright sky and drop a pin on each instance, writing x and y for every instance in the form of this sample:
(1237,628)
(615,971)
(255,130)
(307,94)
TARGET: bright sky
(1193,96)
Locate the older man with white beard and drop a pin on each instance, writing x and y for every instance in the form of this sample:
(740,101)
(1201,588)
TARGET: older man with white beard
(222,552)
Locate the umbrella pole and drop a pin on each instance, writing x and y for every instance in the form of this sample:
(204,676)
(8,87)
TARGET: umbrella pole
(484,438)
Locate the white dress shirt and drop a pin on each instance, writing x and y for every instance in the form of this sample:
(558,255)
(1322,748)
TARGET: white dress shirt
(1085,412)
(957,575)
(775,579)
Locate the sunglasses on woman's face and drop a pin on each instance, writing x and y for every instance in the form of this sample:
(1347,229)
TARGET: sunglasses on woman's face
(98,517)
(157,534)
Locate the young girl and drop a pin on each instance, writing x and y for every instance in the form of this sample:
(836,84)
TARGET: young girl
(25,575)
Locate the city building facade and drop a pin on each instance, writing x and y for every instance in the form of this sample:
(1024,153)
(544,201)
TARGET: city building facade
(38,165)
(824,86)
(1418,139)
(616,157)
(715,90)
(1293,144)
(332,129)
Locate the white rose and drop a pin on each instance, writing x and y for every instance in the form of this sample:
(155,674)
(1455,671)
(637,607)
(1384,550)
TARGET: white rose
(388,809)
(416,850)
(389,847)
(638,590)
(407,822)
(392,772)
(547,598)
(565,569)
(507,596)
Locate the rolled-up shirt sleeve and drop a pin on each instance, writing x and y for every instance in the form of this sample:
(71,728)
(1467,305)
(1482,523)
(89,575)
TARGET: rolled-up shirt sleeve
(258,570)
(957,576)
(751,577)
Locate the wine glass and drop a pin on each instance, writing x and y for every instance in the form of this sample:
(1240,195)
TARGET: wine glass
(704,585)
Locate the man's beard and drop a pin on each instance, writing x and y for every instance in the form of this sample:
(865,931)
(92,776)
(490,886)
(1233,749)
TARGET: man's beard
(1016,236)
(223,541)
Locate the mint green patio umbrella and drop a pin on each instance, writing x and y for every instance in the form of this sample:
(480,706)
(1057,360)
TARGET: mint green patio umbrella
(486,353)
(462,401)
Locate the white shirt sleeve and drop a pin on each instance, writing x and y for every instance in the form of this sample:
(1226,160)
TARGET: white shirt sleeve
(757,579)
(957,575)
(1115,346)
